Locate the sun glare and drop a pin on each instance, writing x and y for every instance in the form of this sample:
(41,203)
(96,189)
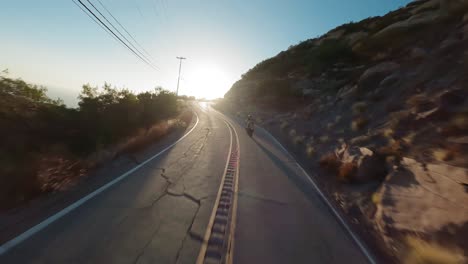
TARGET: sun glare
(208,82)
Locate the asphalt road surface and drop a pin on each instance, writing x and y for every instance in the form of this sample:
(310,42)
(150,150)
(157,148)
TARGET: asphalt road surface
(155,217)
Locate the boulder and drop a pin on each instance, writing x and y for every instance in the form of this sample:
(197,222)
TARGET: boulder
(432,4)
(390,80)
(385,85)
(448,44)
(370,165)
(417,53)
(451,99)
(355,37)
(414,21)
(374,75)
(335,34)
(347,91)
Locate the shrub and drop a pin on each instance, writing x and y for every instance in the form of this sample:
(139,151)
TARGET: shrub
(420,252)
(376,198)
(298,140)
(416,100)
(330,162)
(443,155)
(284,125)
(359,123)
(90,134)
(347,171)
(310,151)
(394,148)
(359,108)
(324,139)
(292,133)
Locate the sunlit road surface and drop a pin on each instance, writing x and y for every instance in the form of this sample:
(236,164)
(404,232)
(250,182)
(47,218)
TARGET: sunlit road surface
(154,218)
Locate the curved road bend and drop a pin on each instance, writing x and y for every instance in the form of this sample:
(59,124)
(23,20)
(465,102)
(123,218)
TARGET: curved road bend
(154,218)
(280,216)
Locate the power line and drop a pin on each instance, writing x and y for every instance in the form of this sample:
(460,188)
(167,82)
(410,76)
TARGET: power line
(112,25)
(111,32)
(94,19)
(116,20)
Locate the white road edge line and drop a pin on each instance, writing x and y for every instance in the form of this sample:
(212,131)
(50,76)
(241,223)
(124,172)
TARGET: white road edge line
(360,244)
(33,230)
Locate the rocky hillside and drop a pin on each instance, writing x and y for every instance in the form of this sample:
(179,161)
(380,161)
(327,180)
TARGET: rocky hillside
(378,109)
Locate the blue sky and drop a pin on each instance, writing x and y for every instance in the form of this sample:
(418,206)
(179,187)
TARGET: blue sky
(52,42)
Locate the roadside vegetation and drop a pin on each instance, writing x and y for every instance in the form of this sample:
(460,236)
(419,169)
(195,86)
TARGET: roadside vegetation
(46,146)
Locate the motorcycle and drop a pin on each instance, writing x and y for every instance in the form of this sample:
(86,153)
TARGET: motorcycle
(249,129)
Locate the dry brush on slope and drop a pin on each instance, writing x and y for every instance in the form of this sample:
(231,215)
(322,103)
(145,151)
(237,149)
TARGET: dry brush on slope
(48,147)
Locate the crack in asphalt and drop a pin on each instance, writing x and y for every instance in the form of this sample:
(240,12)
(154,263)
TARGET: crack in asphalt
(183,164)
(195,236)
(188,233)
(147,243)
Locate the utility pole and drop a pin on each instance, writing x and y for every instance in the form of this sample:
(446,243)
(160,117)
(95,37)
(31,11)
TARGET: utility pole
(180,67)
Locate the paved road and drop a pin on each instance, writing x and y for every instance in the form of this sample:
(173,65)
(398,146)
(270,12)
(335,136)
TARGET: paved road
(280,217)
(154,218)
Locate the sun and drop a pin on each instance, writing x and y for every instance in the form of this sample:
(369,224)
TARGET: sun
(207,81)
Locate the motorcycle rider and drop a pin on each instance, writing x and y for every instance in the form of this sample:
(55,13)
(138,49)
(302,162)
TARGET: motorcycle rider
(250,122)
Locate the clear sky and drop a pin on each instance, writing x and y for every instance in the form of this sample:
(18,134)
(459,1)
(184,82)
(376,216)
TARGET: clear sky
(53,43)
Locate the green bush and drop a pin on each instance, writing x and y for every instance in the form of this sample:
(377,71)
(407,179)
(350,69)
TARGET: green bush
(39,127)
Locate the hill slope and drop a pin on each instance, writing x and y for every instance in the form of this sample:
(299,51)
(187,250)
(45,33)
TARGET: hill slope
(379,109)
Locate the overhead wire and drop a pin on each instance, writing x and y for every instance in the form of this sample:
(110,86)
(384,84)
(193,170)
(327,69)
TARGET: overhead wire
(120,24)
(120,33)
(109,31)
(94,19)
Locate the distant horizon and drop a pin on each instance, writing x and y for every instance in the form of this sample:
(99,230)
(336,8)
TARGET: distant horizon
(56,45)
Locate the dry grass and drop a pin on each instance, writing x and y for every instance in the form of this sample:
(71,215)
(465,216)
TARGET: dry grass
(324,139)
(376,198)
(299,140)
(422,252)
(310,151)
(347,171)
(416,100)
(443,154)
(409,138)
(394,148)
(388,133)
(144,138)
(460,121)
